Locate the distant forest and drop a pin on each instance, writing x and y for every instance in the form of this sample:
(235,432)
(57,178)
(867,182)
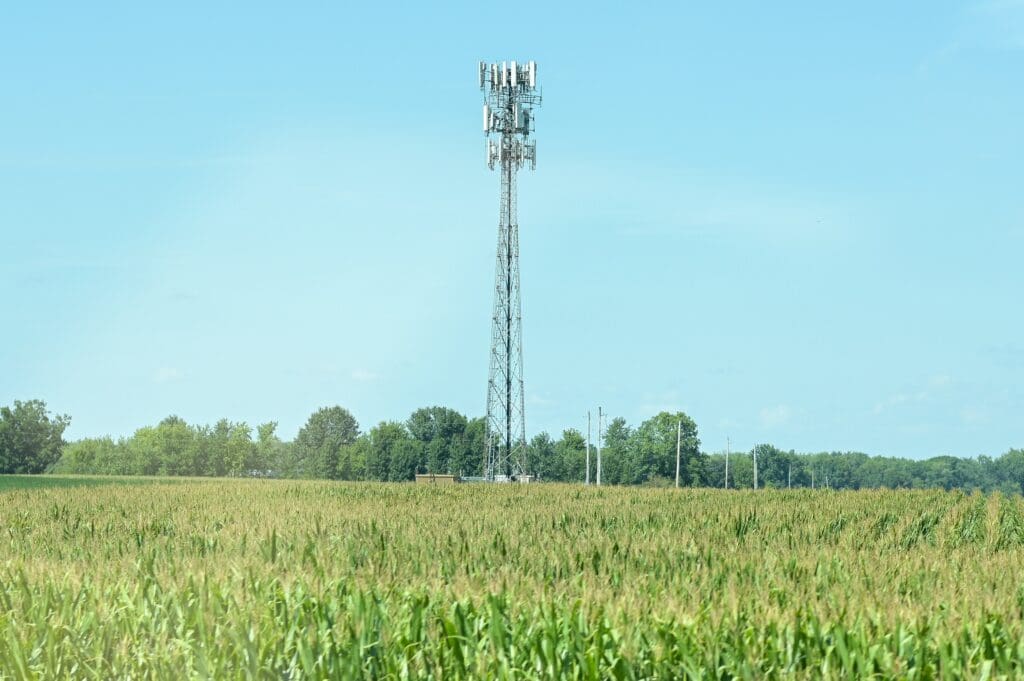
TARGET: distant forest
(331,445)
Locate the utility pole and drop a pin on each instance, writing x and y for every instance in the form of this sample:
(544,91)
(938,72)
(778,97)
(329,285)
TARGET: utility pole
(727,463)
(599,435)
(755,466)
(789,478)
(812,477)
(588,449)
(679,439)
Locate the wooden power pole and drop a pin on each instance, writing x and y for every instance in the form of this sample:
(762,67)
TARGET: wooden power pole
(588,449)
(679,440)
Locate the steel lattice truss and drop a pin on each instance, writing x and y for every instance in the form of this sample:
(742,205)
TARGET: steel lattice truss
(510,94)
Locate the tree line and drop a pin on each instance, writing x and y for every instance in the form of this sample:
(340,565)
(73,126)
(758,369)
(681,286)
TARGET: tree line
(437,439)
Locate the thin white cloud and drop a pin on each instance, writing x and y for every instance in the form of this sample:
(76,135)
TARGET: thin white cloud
(655,403)
(973,416)
(773,417)
(934,386)
(363,375)
(891,401)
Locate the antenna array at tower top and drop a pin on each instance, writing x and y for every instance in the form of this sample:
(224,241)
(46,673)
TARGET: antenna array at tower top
(508,75)
(510,93)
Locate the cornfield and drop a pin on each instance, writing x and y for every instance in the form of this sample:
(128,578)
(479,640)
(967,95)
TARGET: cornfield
(273,579)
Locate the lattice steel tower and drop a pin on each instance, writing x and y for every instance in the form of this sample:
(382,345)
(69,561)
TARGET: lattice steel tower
(510,93)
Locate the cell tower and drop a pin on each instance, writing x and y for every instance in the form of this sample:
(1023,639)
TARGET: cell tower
(510,93)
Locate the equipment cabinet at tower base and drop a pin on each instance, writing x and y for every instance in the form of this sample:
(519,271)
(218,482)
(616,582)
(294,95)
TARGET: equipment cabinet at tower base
(436,479)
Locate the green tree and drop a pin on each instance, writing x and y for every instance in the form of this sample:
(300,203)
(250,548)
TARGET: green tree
(143,455)
(319,442)
(617,464)
(467,455)
(407,459)
(175,447)
(239,451)
(270,451)
(89,455)
(384,439)
(771,465)
(655,442)
(714,470)
(352,459)
(741,471)
(218,440)
(570,455)
(31,439)
(441,431)
(540,457)
(1010,467)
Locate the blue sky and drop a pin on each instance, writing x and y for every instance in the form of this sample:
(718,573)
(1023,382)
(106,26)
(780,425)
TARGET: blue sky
(802,224)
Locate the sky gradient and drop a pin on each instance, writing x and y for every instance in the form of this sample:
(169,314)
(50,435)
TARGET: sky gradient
(802,225)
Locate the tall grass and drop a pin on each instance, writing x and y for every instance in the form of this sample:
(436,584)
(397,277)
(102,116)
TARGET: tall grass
(274,579)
